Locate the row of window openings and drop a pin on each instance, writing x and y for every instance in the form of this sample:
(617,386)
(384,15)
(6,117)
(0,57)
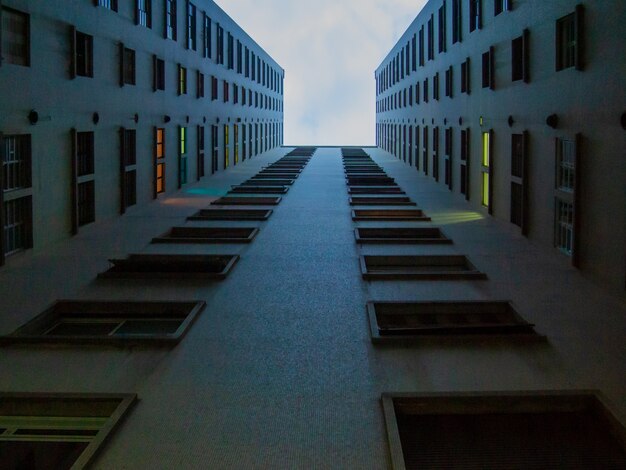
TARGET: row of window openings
(247,62)
(519,71)
(404,142)
(17,180)
(569,30)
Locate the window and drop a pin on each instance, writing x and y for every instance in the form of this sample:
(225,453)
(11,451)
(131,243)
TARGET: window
(244,146)
(15,41)
(449,87)
(243,96)
(247,66)
(465,76)
(83,55)
(200,154)
(143,13)
(414,53)
(436,86)
(236,138)
(421,46)
(519,59)
(15,196)
(57,431)
(220,45)
(158,71)
(226,89)
(182,80)
(475,15)
(431,38)
(159,161)
(442,28)
(170,19)
(200,84)
(182,156)
(457,25)
(191,26)
(436,153)
(226,147)
(214,88)
(231,52)
(487,171)
(488,69)
(128,168)
(127,66)
(417,93)
(425,149)
(110,4)
(253,75)
(564,226)
(239,56)
(566,164)
(448,159)
(501,5)
(465,162)
(569,36)
(83,185)
(214,149)
(206,36)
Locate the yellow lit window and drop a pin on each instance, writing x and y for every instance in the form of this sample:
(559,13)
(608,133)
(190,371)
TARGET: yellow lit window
(486,149)
(486,189)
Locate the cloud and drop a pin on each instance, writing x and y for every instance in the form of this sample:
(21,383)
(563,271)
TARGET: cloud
(329,50)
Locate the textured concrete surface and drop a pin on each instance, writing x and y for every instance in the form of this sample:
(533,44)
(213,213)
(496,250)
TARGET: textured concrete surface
(279,371)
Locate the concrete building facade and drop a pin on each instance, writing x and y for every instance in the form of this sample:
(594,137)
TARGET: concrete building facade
(518,106)
(106,105)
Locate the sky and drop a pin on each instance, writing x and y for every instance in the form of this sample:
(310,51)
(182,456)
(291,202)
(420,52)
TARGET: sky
(329,50)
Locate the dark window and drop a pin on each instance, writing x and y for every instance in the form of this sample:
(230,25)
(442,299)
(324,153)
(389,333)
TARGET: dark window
(517,155)
(235,94)
(16,167)
(569,36)
(214,149)
(200,155)
(130,192)
(465,76)
(436,86)
(231,52)
(206,36)
(84,153)
(17,225)
(220,45)
(425,90)
(15,31)
(475,15)
(501,5)
(170,19)
(488,69)
(214,88)
(130,147)
(449,82)
(85,204)
(431,38)
(520,59)
(457,24)
(414,53)
(465,163)
(436,153)
(143,13)
(226,89)
(442,28)
(83,56)
(159,73)
(417,93)
(127,66)
(247,67)
(421,46)
(239,57)
(200,84)
(191,26)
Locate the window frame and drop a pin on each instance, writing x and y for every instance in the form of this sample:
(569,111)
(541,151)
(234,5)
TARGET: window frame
(577,18)
(27,41)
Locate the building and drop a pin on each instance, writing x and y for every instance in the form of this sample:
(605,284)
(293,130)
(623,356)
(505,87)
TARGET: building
(205,329)
(115,103)
(519,108)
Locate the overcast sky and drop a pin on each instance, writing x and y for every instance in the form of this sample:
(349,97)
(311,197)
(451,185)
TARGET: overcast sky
(329,50)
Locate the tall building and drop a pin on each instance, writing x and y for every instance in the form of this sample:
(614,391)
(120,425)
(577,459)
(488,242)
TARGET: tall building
(109,104)
(519,108)
(305,308)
